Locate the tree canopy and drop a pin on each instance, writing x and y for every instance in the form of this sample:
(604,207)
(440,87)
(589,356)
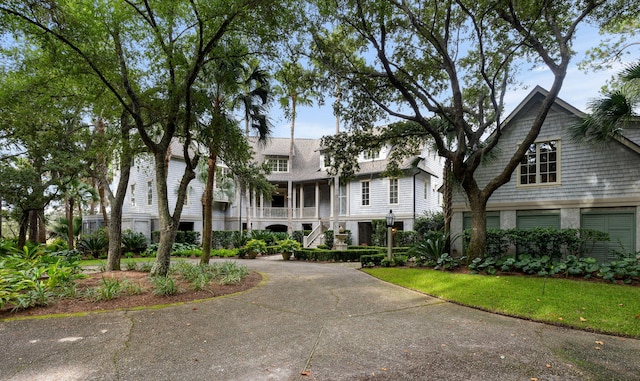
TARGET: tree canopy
(443,68)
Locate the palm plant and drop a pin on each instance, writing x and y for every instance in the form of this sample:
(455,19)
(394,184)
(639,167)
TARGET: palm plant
(296,89)
(221,86)
(610,114)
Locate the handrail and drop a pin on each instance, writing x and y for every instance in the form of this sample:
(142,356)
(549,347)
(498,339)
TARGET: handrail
(307,240)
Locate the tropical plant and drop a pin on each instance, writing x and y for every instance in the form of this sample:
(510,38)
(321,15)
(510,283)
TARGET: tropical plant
(287,247)
(94,244)
(254,247)
(611,114)
(134,242)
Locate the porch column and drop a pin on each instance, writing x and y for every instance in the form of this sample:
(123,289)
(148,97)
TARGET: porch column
(332,198)
(317,201)
(301,207)
(261,206)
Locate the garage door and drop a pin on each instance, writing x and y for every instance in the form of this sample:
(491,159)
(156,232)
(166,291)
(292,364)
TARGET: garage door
(492,220)
(621,227)
(530,220)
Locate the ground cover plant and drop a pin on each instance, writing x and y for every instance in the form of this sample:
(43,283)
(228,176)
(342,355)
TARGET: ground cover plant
(131,289)
(593,306)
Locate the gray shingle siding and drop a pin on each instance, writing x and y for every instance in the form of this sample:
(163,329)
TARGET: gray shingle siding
(605,177)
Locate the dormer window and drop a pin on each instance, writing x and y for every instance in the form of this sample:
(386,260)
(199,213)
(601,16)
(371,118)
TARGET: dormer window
(326,160)
(277,164)
(371,154)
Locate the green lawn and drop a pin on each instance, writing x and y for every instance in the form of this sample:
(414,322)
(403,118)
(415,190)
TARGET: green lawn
(607,308)
(123,261)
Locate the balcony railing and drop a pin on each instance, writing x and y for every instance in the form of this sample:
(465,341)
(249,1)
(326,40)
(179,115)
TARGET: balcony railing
(267,212)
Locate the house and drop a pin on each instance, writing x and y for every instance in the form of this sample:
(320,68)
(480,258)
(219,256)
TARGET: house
(562,183)
(316,206)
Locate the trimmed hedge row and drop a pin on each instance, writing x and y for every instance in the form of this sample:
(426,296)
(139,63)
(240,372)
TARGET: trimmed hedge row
(331,255)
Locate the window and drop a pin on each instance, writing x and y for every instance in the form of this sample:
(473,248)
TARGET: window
(149,192)
(427,185)
(365,192)
(326,160)
(133,194)
(393,191)
(278,164)
(371,154)
(540,164)
(342,197)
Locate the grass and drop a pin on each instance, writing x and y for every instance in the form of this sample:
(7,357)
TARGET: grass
(123,261)
(599,307)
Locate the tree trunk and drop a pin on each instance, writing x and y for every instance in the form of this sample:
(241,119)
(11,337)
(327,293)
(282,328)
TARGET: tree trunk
(33,225)
(208,209)
(248,207)
(168,223)
(24,226)
(290,182)
(70,234)
(42,228)
(115,237)
(447,202)
(114,225)
(477,244)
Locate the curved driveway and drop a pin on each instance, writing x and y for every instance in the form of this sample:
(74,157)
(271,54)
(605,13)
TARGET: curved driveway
(310,321)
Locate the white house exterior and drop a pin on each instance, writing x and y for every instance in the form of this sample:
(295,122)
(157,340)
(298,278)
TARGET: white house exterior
(367,197)
(562,183)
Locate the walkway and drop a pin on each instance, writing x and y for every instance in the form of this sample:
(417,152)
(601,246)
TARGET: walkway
(310,321)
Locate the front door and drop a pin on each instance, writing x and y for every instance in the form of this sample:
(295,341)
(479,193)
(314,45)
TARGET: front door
(365,231)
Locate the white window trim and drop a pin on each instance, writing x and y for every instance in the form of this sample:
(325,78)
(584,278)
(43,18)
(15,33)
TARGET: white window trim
(558,166)
(397,191)
(150,192)
(278,160)
(368,193)
(132,196)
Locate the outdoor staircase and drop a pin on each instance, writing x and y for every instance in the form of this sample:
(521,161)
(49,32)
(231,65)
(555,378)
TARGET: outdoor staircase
(316,237)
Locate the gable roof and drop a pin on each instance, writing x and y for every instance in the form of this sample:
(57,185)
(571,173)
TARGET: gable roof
(538,94)
(531,101)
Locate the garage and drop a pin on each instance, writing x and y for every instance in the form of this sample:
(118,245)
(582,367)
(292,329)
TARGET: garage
(621,226)
(538,219)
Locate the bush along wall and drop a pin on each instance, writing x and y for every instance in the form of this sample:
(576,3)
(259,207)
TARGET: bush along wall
(540,241)
(325,255)
(328,239)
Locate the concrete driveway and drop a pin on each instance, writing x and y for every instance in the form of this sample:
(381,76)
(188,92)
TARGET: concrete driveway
(310,321)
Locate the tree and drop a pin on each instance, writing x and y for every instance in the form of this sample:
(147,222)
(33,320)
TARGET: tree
(443,69)
(255,94)
(614,111)
(42,134)
(295,89)
(80,192)
(221,133)
(619,25)
(148,56)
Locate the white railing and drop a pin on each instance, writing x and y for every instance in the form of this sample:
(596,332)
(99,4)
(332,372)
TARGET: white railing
(308,240)
(266,212)
(273,212)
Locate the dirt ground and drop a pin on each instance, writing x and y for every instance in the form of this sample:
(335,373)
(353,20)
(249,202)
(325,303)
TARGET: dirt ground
(146,298)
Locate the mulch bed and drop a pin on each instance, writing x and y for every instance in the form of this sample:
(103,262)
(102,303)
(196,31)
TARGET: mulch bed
(146,298)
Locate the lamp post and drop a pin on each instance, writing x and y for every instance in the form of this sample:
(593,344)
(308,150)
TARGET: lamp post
(391,219)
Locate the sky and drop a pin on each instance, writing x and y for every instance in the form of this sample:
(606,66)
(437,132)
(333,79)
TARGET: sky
(578,90)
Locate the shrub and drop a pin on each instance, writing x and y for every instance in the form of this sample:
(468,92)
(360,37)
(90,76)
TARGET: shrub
(288,246)
(134,242)
(263,235)
(164,286)
(430,222)
(224,253)
(255,247)
(94,244)
(405,238)
(188,237)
